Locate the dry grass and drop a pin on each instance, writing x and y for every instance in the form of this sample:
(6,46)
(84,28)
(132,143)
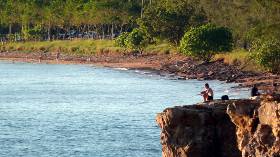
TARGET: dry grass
(79,47)
(163,47)
(240,58)
(75,47)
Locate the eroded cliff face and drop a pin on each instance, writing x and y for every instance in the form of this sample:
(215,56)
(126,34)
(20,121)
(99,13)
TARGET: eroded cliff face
(232,128)
(258,127)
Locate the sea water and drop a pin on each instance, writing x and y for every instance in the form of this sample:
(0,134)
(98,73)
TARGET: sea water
(86,111)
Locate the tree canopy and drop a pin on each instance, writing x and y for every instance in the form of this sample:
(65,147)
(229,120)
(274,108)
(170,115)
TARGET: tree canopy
(161,19)
(103,16)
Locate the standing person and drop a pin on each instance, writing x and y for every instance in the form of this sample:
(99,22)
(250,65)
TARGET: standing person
(208,93)
(40,58)
(57,56)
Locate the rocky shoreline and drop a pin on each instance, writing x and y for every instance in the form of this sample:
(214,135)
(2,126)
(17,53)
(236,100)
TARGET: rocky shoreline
(233,128)
(175,65)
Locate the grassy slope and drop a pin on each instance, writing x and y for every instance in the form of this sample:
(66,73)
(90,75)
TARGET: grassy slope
(241,58)
(78,47)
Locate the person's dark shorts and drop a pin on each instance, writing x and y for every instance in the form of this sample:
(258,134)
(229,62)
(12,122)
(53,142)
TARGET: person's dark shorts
(210,98)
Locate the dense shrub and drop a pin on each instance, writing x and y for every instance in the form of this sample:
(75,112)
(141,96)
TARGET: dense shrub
(267,54)
(35,33)
(120,40)
(137,40)
(14,37)
(205,41)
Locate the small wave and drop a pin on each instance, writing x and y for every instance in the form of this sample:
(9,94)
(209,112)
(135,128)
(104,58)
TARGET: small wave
(143,72)
(123,69)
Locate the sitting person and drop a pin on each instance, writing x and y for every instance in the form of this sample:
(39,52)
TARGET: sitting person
(254,91)
(225,97)
(207,94)
(255,94)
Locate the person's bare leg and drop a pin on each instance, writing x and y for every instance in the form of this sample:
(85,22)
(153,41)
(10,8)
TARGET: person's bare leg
(205,97)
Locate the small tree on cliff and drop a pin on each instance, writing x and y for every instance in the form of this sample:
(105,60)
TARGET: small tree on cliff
(205,41)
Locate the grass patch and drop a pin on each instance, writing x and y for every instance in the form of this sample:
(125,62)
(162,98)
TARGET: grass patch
(234,57)
(240,58)
(163,47)
(74,47)
(80,47)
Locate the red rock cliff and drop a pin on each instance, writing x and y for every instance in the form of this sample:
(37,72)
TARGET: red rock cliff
(235,128)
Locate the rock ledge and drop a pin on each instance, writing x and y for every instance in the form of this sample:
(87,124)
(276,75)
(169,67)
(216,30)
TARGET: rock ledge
(231,128)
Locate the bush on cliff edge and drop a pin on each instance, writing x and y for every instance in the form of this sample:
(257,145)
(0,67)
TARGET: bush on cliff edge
(205,41)
(267,54)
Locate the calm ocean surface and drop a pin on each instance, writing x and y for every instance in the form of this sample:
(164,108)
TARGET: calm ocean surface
(84,111)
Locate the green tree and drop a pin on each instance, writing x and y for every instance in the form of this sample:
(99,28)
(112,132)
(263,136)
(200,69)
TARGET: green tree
(169,19)
(204,41)
(115,14)
(120,40)
(10,13)
(52,15)
(242,16)
(137,40)
(34,33)
(28,14)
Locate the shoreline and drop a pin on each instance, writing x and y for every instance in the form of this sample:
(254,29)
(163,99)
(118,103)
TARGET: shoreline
(128,66)
(175,65)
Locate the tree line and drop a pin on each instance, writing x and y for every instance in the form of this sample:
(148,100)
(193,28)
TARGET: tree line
(50,17)
(161,19)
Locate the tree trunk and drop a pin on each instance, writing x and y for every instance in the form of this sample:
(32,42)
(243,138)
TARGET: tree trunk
(23,35)
(121,29)
(10,28)
(142,8)
(103,32)
(108,30)
(49,32)
(112,31)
